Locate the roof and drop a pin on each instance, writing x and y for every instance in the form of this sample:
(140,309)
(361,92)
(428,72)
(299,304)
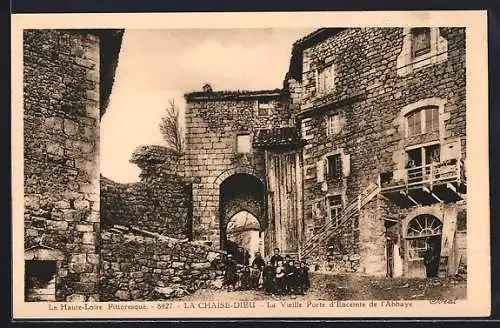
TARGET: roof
(233,95)
(277,137)
(295,68)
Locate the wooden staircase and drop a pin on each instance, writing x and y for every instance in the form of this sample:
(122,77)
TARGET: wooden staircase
(331,229)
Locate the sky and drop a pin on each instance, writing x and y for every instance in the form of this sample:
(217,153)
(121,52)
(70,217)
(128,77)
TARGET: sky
(157,65)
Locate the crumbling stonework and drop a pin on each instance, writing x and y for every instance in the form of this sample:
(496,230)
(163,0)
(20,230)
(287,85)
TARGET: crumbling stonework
(142,268)
(161,202)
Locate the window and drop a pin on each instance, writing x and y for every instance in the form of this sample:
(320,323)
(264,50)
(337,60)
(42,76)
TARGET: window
(422,46)
(335,209)
(462,221)
(243,144)
(421,41)
(422,228)
(325,79)
(332,124)
(334,166)
(264,107)
(424,120)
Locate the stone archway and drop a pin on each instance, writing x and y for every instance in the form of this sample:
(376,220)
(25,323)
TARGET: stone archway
(243,232)
(240,192)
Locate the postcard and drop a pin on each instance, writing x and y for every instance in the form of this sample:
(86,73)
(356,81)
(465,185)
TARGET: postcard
(250,165)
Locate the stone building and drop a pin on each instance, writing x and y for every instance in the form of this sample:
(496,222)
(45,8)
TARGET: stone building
(357,164)
(68,75)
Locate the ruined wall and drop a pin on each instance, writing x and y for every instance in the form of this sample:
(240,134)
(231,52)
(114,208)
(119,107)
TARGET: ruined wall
(369,95)
(61,148)
(163,207)
(161,202)
(146,269)
(213,121)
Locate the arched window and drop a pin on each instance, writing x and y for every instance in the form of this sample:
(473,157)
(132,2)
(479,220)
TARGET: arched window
(423,120)
(419,230)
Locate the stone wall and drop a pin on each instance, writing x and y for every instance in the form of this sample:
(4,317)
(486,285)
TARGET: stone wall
(369,95)
(213,121)
(61,148)
(161,202)
(143,268)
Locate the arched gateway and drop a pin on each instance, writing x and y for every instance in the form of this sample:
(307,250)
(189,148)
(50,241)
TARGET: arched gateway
(241,209)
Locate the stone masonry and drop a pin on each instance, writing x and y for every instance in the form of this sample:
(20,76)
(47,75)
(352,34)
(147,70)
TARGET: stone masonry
(213,121)
(142,268)
(369,96)
(160,202)
(61,149)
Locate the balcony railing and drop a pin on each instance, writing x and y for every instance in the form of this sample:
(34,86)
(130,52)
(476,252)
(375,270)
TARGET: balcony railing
(424,176)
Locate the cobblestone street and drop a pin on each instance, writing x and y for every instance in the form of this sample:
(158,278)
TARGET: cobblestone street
(352,287)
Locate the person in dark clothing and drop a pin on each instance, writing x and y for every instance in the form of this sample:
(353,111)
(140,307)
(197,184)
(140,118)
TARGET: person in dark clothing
(230,273)
(304,277)
(259,261)
(268,276)
(245,279)
(292,272)
(431,259)
(245,256)
(276,257)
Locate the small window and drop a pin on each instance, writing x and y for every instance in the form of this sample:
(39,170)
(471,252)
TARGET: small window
(421,41)
(243,144)
(462,221)
(332,124)
(334,166)
(325,79)
(335,209)
(264,107)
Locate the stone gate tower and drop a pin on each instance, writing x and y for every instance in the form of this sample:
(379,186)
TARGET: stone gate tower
(241,155)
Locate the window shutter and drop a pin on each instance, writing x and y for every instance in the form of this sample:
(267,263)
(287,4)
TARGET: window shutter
(320,170)
(346,165)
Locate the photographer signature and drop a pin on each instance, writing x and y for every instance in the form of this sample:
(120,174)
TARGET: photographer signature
(443,301)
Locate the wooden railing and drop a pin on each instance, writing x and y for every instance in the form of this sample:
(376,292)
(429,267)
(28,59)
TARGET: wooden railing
(430,174)
(336,225)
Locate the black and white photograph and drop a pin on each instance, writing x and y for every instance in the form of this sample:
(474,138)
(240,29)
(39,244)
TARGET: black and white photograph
(262,169)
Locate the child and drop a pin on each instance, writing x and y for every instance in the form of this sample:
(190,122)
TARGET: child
(280,278)
(290,275)
(230,274)
(304,276)
(254,276)
(268,279)
(245,279)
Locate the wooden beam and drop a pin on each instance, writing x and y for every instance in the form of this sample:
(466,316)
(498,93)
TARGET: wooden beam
(413,200)
(427,190)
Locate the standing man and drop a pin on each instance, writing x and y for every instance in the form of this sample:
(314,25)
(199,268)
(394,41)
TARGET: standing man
(259,261)
(276,257)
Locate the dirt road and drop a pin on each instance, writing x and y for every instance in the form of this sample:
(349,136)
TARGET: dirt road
(353,287)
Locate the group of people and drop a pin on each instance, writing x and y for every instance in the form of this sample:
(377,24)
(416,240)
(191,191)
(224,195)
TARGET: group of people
(280,276)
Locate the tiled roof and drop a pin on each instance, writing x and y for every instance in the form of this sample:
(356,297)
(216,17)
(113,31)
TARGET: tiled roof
(275,137)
